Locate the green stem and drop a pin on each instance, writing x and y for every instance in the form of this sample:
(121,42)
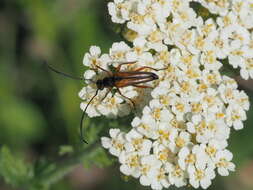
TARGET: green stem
(65,166)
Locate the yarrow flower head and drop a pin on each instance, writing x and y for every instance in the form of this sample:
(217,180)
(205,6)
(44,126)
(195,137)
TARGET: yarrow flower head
(182,124)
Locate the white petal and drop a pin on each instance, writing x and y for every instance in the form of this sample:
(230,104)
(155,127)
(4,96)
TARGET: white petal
(125,169)
(223,171)
(194,182)
(144,180)
(95,50)
(238,125)
(114,132)
(205,183)
(106,142)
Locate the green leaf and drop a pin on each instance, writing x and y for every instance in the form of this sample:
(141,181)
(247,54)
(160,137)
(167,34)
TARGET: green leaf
(43,167)
(202,11)
(13,169)
(100,158)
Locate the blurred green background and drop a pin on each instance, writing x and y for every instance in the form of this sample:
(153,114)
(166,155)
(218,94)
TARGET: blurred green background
(39,110)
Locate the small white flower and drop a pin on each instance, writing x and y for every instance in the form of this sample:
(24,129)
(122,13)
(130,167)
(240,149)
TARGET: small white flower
(136,142)
(160,179)
(94,58)
(222,161)
(218,44)
(236,35)
(161,10)
(246,71)
(167,135)
(177,176)
(146,59)
(142,22)
(211,77)
(163,94)
(180,107)
(182,140)
(120,10)
(146,126)
(217,7)
(187,16)
(245,12)
(237,58)
(116,143)
(149,166)
(157,112)
(94,54)
(192,156)
(227,20)
(207,27)
(163,153)
(212,148)
(118,52)
(155,40)
(131,164)
(235,116)
(173,32)
(209,60)
(201,176)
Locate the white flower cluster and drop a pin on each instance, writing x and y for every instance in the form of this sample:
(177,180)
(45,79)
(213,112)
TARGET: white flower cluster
(182,124)
(181,137)
(158,23)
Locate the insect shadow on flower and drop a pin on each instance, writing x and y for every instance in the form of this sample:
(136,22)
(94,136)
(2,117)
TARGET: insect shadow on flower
(116,79)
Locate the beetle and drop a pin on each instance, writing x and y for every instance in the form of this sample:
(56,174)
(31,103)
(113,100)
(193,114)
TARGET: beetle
(117,79)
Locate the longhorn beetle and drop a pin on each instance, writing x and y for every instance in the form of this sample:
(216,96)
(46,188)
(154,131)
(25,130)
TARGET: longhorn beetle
(117,79)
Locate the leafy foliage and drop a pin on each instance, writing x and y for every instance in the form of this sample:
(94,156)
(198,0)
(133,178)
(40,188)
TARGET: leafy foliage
(14,170)
(100,158)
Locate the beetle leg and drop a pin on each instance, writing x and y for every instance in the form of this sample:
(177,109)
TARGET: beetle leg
(127,98)
(145,67)
(108,72)
(142,86)
(109,90)
(126,63)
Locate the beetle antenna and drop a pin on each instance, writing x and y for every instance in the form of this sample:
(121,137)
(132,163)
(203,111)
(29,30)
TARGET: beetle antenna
(82,118)
(61,73)
(64,74)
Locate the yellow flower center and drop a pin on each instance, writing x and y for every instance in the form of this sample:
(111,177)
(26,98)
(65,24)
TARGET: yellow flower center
(145,169)
(223,163)
(211,151)
(202,87)
(199,174)
(196,107)
(117,145)
(191,159)
(180,142)
(137,143)
(220,115)
(177,172)
(180,107)
(133,161)
(157,113)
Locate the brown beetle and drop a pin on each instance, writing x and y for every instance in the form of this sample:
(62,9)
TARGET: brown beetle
(117,79)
